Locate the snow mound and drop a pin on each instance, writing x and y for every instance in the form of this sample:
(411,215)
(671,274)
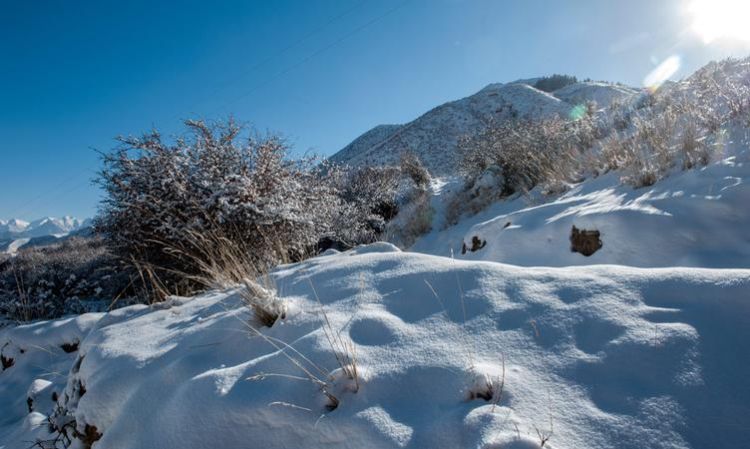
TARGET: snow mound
(450,354)
(378,247)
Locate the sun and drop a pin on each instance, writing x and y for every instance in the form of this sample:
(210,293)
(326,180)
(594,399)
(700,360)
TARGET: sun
(721,19)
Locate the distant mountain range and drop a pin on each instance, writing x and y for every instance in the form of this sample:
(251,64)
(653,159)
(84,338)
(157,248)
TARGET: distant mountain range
(16,233)
(434,136)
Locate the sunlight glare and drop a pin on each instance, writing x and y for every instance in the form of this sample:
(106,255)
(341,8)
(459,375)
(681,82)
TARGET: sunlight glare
(662,72)
(721,19)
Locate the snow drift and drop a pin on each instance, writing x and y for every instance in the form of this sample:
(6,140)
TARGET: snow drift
(450,353)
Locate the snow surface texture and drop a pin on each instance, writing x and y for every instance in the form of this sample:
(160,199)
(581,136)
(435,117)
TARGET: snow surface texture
(596,357)
(434,136)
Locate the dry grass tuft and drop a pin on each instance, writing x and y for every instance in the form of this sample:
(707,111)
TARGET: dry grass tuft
(266,306)
(343,349)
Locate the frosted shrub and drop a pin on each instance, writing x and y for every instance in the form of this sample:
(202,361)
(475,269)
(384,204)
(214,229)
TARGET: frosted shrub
(414,219)
(671,135)
(412,167)
(161,197)
(528,153)
(520,155)
(74,276)
(367,201)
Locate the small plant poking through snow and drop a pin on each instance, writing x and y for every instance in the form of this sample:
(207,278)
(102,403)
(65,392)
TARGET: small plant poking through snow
(343,348)
(487,385)
(266,306)
(268,309)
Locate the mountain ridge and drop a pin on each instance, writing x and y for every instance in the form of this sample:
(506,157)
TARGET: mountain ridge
(16,233)
(434,135)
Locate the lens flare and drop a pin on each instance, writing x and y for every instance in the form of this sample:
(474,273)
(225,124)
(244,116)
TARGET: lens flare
(662,72)
(578,112)
(721,19)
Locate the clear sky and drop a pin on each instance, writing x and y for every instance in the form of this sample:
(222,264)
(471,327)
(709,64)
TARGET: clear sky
(74,74)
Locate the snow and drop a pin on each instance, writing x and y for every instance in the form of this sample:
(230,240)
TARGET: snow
(692,218)
(434,136)
(604,94)
(12,226)
(52,226)
(519,344)
(16,233)
(598,356)
(14,245)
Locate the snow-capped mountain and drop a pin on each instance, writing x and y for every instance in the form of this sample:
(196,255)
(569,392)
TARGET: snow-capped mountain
(12,226)
(16,233)
(52,226)
(16,228)
(434,136)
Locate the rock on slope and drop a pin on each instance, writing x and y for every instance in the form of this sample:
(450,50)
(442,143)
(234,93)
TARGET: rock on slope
(593,357)
(434,135)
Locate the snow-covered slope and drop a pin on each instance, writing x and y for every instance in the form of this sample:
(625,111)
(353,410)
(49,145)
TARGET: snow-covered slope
(604,94)
(12,226)
(15,233)
(52,226)
(434,136)
(591,357)
(692,218)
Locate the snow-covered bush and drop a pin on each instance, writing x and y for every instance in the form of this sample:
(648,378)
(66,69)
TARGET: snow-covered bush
(646,154)
(367,201)
(678,126)
(412,167)
(517,156)
(528,152)
(74,276)
(163,199)
(414,219)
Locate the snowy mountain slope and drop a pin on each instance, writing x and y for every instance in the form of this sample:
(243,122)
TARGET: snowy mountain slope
(696,217)
(15,234)
(14,245)
(593,357)
(52,226)
(362,144)
(434,135)
(604,94)
(12,226)
(692,218)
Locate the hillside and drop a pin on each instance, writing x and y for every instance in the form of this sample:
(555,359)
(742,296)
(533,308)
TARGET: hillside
(490,332)
(434,136)
(692,218)
(590,357)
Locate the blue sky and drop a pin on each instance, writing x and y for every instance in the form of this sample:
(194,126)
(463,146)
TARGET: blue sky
(77,73)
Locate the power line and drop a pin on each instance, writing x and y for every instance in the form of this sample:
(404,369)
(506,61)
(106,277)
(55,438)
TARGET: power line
(284,50)
(262,63)
(48,196)
(45,194)
(313,55)
(26,208)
